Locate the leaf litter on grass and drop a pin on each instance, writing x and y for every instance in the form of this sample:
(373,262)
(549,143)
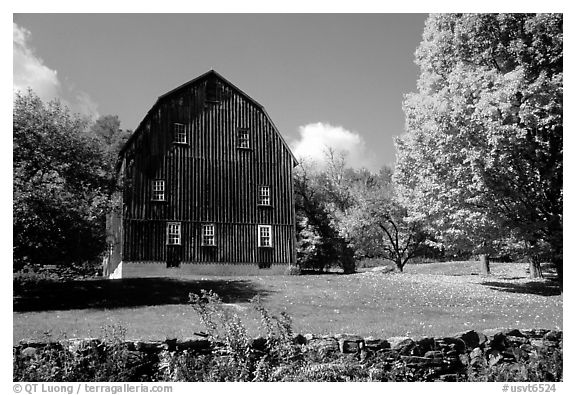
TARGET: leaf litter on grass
(433,299)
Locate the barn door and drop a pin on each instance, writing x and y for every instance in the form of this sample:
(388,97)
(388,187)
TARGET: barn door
(173,255)
(265,257)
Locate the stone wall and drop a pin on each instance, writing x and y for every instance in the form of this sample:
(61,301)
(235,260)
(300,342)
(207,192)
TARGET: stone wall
(446,356)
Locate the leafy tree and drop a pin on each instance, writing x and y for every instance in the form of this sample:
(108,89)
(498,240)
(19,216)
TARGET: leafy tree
(377,224)
(112,138)
(61,185)
(319,244)
(481,159)
(107,130)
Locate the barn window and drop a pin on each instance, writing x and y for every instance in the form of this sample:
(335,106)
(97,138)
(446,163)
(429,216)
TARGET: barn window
(173,233)
(264,235)
(264,195)
(212,91)
(208,235)
(158,188)
(180,135)
(243,138)
(129,169)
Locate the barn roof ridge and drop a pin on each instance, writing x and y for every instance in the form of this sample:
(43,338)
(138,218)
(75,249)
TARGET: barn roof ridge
(196,80)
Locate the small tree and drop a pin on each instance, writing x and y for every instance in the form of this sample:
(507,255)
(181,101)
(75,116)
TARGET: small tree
(319,244)
(112,138)
(378,226)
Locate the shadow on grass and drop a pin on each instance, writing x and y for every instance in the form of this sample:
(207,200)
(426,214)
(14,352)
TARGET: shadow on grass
(542,288)
(132,292)
(311,272)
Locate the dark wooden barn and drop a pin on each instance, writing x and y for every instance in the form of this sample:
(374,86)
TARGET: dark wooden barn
(207,187)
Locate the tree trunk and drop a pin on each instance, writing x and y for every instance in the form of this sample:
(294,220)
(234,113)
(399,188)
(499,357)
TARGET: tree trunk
(535,269)
(348,262)
(484,264)
(557,262)
(399,266)
(559,272)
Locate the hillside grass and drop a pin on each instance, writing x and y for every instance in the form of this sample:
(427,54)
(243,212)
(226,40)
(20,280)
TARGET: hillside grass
(426,300)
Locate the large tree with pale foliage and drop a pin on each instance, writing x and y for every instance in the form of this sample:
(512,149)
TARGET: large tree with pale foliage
(481,159)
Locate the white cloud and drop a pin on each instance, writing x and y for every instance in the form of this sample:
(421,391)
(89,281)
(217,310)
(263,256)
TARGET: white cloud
(317,138)
(85,105)
(29,71)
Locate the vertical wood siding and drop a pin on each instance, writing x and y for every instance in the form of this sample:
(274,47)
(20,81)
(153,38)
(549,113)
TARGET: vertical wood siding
(208,180)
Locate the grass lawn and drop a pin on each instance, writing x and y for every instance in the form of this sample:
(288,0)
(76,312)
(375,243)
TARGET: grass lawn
(427,299)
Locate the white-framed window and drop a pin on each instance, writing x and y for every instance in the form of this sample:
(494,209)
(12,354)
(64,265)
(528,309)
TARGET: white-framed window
(243,138)
(158,190)
(263,195)
(264,235)
(180,135)
(173,233)
(208,235)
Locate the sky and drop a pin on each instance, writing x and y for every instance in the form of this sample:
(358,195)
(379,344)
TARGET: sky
(326,80)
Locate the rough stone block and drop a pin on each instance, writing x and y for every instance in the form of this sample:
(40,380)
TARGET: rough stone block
(170,344)
(498,342)
(350,343)
(554,336)
(537,343)
(470,338)
(451,343)
(29,352)
(534,333)
(79,345)
(194,343)
(403,345)
(415,361)
(148,346)
(376,344)
(550,343)
(388,355)
(434,354)
(424,345)
(494,357)
(517,340)
(394,341)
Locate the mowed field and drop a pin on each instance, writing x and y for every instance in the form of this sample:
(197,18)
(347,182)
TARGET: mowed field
(426,300)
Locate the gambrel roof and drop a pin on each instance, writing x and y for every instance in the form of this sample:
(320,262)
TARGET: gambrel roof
(197,80)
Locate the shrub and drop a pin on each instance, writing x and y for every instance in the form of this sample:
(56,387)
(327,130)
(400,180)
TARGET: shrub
(540,365)
(96,360)
(293,271)
(235,356)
